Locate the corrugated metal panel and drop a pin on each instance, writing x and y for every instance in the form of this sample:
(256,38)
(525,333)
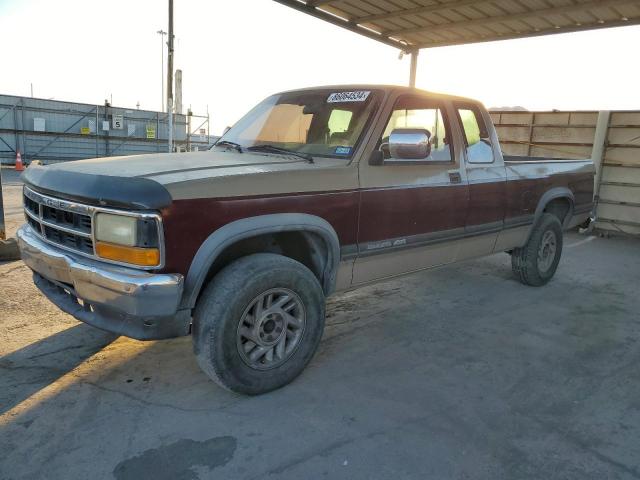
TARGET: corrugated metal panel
(423,23)
(75,131)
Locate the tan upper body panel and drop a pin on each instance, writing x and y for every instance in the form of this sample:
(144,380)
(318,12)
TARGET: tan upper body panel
(225,173)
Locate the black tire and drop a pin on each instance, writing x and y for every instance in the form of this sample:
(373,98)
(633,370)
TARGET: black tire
(526,262)
(226,301)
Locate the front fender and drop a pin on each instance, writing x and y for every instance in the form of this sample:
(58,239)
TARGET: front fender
(249,227)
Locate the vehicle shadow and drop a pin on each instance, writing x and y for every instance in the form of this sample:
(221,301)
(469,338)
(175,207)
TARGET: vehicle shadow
(29,369)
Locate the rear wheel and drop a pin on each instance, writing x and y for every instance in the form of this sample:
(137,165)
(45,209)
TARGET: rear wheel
(536,262)
(258,323)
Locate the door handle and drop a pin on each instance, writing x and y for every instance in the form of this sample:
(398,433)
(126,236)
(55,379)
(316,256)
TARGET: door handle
(455,177)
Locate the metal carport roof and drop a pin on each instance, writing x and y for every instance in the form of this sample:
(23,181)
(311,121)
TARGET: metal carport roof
(414,24)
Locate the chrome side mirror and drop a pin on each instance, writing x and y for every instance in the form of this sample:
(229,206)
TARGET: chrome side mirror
(410,144)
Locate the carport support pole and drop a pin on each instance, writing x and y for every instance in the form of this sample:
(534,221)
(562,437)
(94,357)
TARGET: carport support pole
(414,68)
(599,151)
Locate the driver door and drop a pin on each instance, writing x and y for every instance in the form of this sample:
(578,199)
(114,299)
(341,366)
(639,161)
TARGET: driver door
(410,208)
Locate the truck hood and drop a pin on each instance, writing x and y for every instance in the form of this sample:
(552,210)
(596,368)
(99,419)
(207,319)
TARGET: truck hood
(156,166)
(144,181)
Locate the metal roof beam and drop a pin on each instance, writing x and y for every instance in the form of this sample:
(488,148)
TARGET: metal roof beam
(417,10)
(347,24)
(506,18)
(318,3)
(514,35)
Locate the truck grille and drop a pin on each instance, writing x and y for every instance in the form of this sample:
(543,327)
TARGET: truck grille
(63,223)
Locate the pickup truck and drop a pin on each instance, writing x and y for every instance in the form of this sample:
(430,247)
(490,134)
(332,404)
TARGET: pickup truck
(314,191)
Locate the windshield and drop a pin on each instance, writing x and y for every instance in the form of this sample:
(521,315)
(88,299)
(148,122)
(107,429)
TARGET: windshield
(319,122)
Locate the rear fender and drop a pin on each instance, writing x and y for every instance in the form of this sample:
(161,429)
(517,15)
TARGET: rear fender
(550,195)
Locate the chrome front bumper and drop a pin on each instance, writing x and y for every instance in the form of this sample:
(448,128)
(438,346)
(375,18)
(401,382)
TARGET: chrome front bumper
(122,300)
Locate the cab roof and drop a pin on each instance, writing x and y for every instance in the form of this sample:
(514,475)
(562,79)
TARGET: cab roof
(388,89)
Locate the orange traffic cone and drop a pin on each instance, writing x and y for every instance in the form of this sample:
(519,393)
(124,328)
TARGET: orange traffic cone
(19,164)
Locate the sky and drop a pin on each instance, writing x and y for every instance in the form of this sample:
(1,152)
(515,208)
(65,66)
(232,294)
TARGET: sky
(235,53)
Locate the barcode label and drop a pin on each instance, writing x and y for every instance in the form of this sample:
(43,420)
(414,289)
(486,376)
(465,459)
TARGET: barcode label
(339,97)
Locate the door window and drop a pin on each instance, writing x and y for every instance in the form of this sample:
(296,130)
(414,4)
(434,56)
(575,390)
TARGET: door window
(420,113)
(476,135)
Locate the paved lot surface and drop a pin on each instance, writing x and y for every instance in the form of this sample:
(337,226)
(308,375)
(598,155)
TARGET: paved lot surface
(9,175)
(457,373)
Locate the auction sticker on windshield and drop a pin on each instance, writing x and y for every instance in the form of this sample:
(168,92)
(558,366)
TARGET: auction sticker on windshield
(357,96)
(343,151)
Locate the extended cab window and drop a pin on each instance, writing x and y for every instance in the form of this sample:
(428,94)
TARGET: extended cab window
(476,135)
(316,122)
(411,112)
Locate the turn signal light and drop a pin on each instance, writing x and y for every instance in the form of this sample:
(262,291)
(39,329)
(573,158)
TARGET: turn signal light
(145,257)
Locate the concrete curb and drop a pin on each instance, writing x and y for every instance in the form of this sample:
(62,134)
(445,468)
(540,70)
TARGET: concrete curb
(9,250)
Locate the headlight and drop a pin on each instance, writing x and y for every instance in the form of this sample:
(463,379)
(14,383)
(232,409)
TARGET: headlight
(127,239)
(116,229)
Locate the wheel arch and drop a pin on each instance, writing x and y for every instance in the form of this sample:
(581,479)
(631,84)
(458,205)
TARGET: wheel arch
(317,231)
(548,199)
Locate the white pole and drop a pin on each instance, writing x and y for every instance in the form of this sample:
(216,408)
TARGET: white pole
(170,107)
(414,68)
(162,33)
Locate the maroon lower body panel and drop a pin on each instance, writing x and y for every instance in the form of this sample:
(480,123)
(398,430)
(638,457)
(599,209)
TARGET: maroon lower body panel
(486,203)
(524,195)
(384,213)
(402,212)
(187,223)
(359,217)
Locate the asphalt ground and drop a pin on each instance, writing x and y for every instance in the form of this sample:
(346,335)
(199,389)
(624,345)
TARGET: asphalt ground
(454,373)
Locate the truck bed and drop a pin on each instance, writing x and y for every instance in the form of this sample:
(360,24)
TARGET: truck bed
(526,158)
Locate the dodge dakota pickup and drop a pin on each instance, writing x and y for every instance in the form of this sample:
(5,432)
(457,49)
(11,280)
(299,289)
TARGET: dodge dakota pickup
(314,191)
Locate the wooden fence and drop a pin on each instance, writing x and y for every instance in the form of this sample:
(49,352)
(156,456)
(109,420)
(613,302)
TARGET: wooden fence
(610,138)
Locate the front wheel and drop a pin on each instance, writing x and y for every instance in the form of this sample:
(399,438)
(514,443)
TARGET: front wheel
(258,323)
(536,262)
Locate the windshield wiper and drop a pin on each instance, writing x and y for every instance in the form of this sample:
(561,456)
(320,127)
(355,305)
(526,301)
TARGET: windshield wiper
(227,143)
(273,149)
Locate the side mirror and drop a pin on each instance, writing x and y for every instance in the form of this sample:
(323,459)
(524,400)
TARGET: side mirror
(226,129)
(410,143)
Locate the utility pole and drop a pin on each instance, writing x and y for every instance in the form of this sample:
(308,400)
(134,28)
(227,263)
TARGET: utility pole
(162,34)
(170,76)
